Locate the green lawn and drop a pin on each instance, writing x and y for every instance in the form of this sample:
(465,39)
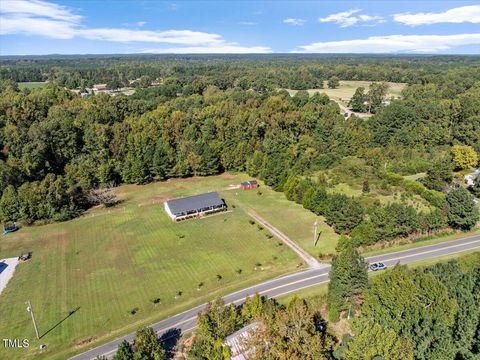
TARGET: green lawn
(291,218)
(31,85)
(347,88)
(111,261)
(415,176)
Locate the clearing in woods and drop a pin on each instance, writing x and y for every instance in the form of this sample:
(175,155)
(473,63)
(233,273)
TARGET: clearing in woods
(96,277)
(31,85)
(345,91)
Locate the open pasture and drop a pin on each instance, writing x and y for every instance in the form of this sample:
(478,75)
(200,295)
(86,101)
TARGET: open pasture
(346,90)
(98,276)
(290,218)
(31,85)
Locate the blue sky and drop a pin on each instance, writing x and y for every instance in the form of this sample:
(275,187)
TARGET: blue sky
(103,27)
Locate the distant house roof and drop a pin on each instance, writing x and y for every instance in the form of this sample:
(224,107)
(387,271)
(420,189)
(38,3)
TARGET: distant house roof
(237,340)
(194,203)
(470,178)
(100,86)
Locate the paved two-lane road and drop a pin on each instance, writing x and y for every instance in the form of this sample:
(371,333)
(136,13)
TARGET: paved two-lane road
(287,284)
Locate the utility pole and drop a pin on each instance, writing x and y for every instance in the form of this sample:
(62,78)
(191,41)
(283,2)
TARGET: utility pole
(315,229)
(30,310)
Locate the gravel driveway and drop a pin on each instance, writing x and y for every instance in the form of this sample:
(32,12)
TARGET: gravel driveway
(7,267)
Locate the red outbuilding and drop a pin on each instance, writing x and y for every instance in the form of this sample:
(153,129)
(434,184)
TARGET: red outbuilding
(252,184)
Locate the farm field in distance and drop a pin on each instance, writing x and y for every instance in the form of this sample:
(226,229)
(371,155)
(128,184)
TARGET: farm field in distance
(31,85)
(346,90)
(87,275)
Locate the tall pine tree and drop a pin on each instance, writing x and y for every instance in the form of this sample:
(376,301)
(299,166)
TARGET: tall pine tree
(348,279)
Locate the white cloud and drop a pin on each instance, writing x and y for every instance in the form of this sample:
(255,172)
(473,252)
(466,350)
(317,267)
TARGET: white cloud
(247,23)
(39,8)
(20,24)
(184,37)
(228,48)
(470,14)
(343,19)
(347,18)
(393,44)
(369,18)
(64,30)
(294,21)
(40,18)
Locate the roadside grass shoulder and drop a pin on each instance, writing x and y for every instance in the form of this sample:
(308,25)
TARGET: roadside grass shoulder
(423,241)
(465,259)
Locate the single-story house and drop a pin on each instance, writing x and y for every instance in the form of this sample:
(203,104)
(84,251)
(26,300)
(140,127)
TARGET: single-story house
(194,206)
(99,87)
(247,185)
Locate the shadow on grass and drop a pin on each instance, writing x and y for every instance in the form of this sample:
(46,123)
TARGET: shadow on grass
(169,341)
(60,322)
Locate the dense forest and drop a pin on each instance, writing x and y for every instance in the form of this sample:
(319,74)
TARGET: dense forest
(213,114)
(193,73)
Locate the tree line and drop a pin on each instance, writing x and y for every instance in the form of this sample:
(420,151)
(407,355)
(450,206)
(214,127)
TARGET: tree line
(56,147)
(196,73)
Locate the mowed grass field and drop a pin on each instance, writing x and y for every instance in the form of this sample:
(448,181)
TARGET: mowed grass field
(291,218)
(346,90)
(88,274)
(31,85)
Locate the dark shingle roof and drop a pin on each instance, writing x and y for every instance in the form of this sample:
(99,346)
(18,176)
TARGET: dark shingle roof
(194,203)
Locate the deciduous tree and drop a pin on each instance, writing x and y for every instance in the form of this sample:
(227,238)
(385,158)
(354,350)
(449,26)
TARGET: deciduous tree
(333,82)
(372,341)
(414,306)
(124,351)
(295,333)
(147,346)
(464,157)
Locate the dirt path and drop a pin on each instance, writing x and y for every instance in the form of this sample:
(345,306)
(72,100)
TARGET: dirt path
(310,260)
(350,112)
